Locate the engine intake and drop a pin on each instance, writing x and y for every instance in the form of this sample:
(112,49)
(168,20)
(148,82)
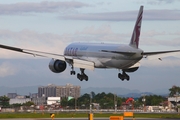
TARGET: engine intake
(57,66)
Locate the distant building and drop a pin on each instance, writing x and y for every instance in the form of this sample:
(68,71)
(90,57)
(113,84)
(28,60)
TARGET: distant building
(19,100)
(174,100)
(53,100)
(33,95)
(59,91)
(39,101)
(11,95)
(20,97)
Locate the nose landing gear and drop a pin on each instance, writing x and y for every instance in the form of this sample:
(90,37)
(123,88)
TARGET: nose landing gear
(72,72)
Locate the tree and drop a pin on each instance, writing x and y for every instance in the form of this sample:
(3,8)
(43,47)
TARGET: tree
(64,102)
(16,105)
(84,100)
(152,100)
(28,104)
(4,101)
(174,90)
(93,94)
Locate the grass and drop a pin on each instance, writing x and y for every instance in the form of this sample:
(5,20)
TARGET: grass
(84,115)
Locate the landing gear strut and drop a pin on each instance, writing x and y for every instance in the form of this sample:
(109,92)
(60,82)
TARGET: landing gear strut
(123,76)
(82,76)
(72,72)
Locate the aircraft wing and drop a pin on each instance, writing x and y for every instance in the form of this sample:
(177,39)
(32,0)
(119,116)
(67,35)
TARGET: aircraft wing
(75,61)
(161,54)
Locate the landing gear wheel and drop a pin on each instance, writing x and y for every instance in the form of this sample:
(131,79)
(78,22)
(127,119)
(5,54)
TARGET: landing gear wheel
(86,77)
(82,76)
(127,78)
(78,75)
(121,76)
(73,72)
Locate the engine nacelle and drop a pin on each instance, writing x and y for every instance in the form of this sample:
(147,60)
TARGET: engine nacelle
(131,69)
(57,66)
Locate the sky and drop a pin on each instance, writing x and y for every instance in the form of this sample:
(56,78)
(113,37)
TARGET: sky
(50,25)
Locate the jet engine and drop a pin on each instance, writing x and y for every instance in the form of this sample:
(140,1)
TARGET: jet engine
(57,66)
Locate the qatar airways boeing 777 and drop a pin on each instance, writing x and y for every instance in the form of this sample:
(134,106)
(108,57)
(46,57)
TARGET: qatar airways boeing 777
(98,55)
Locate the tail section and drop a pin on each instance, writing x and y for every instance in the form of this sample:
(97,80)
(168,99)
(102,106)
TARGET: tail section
(137,29)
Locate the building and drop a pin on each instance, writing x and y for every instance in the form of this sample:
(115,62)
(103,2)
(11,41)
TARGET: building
(175,101)
(11,95)
(59,91)
(39,101)
(19,100)
(33,95)
(53,100)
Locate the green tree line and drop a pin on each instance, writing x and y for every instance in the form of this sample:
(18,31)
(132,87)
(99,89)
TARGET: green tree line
(105,100)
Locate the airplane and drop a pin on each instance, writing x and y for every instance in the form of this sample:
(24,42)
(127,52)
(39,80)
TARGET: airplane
(98,55)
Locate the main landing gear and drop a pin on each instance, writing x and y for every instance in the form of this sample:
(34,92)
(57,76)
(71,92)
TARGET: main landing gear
(123,76)
(82,76)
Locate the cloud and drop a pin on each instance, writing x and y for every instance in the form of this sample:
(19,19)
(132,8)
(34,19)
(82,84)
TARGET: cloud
(42,7)
(162,15)
(126,15)
(166,62)
(158,2)
(7,69)
(55,43)
(103,33)
(22,8)
(154,37)
(28,39)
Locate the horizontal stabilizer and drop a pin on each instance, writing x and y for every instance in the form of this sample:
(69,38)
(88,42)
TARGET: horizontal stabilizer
(161,54)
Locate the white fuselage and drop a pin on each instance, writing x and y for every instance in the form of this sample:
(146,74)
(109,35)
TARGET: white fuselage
(97,53)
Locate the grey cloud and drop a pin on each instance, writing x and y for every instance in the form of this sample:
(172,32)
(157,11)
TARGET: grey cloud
(156,2)
(126,16)
(45,6)
(109,16)
(32,40)
(7,69)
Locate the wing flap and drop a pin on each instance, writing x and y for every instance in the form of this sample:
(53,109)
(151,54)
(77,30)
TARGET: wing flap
(45,54)
(33,52)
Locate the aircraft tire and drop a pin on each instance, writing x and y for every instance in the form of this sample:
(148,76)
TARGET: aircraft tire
(86,77)
(121,76)
(79,77)
(127,78)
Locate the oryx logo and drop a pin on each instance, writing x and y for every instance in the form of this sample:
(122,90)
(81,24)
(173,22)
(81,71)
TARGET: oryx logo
(136,33)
